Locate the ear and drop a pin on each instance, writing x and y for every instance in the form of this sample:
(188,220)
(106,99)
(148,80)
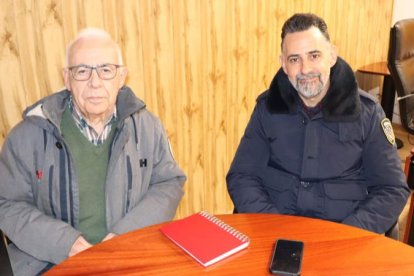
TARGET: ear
(283,63)
(66,78)
(334,55)
(122,76)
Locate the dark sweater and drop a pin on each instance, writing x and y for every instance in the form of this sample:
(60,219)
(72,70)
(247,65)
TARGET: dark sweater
(91,163)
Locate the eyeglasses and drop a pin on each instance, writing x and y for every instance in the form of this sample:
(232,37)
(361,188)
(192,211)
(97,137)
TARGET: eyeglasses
(84,72)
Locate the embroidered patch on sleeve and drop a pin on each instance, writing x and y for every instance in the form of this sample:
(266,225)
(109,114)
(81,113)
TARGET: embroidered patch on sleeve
(388,131)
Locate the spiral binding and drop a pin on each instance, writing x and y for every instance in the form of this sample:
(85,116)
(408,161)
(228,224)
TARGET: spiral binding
(225,226)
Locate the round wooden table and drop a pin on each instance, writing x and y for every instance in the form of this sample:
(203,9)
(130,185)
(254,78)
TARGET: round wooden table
(330,249)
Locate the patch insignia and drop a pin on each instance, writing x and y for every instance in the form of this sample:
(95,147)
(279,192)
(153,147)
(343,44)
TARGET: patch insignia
(388,131)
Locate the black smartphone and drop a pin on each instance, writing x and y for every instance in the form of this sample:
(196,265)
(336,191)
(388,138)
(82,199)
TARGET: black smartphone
(287,258)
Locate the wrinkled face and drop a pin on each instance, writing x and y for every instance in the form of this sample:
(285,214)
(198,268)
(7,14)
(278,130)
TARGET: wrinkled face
(95,98)
(307,58)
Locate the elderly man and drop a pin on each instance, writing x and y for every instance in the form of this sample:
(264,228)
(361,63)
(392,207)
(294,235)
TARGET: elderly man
(316,145)
(85,164)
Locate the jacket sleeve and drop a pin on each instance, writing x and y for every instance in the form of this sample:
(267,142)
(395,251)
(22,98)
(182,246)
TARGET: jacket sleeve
(386,183)
(244,179)
(160,201)
(31,230)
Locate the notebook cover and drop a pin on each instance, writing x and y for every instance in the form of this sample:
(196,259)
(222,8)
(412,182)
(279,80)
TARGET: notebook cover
(204,237)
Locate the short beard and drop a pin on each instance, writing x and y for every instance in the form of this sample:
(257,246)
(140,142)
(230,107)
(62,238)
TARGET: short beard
(309,90)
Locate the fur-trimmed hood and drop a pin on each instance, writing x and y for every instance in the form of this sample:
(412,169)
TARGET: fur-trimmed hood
(341,103)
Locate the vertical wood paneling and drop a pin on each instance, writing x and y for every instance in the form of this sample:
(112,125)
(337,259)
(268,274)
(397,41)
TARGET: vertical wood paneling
(189,98)
(49,43)
(27,55)
(199,65)
(12,100)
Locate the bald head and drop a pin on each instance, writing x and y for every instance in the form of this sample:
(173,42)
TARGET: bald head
(90,38)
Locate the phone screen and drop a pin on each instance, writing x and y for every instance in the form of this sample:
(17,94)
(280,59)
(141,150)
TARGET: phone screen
(287,257)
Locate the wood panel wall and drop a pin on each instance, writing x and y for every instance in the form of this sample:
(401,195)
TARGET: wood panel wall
(198,64)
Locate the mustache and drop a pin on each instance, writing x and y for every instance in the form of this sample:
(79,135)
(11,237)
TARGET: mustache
(307,76)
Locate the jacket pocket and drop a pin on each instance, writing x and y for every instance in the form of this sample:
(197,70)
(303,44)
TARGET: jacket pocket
(341,199)
(282,189)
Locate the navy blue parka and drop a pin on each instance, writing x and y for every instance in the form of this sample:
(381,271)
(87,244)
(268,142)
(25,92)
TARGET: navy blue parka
(338,165)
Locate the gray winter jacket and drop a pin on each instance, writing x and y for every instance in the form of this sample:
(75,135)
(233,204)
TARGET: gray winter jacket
(39,195)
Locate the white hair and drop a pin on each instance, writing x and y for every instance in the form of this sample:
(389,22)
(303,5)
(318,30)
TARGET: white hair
(93,33)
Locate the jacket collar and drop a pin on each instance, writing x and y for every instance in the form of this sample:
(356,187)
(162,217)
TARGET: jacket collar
(341,103)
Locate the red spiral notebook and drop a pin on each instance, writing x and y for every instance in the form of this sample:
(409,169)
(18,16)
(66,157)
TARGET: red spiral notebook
(205,237)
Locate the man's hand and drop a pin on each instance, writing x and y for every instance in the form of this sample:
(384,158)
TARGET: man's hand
(78,246)
(81,244)
(109,236)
